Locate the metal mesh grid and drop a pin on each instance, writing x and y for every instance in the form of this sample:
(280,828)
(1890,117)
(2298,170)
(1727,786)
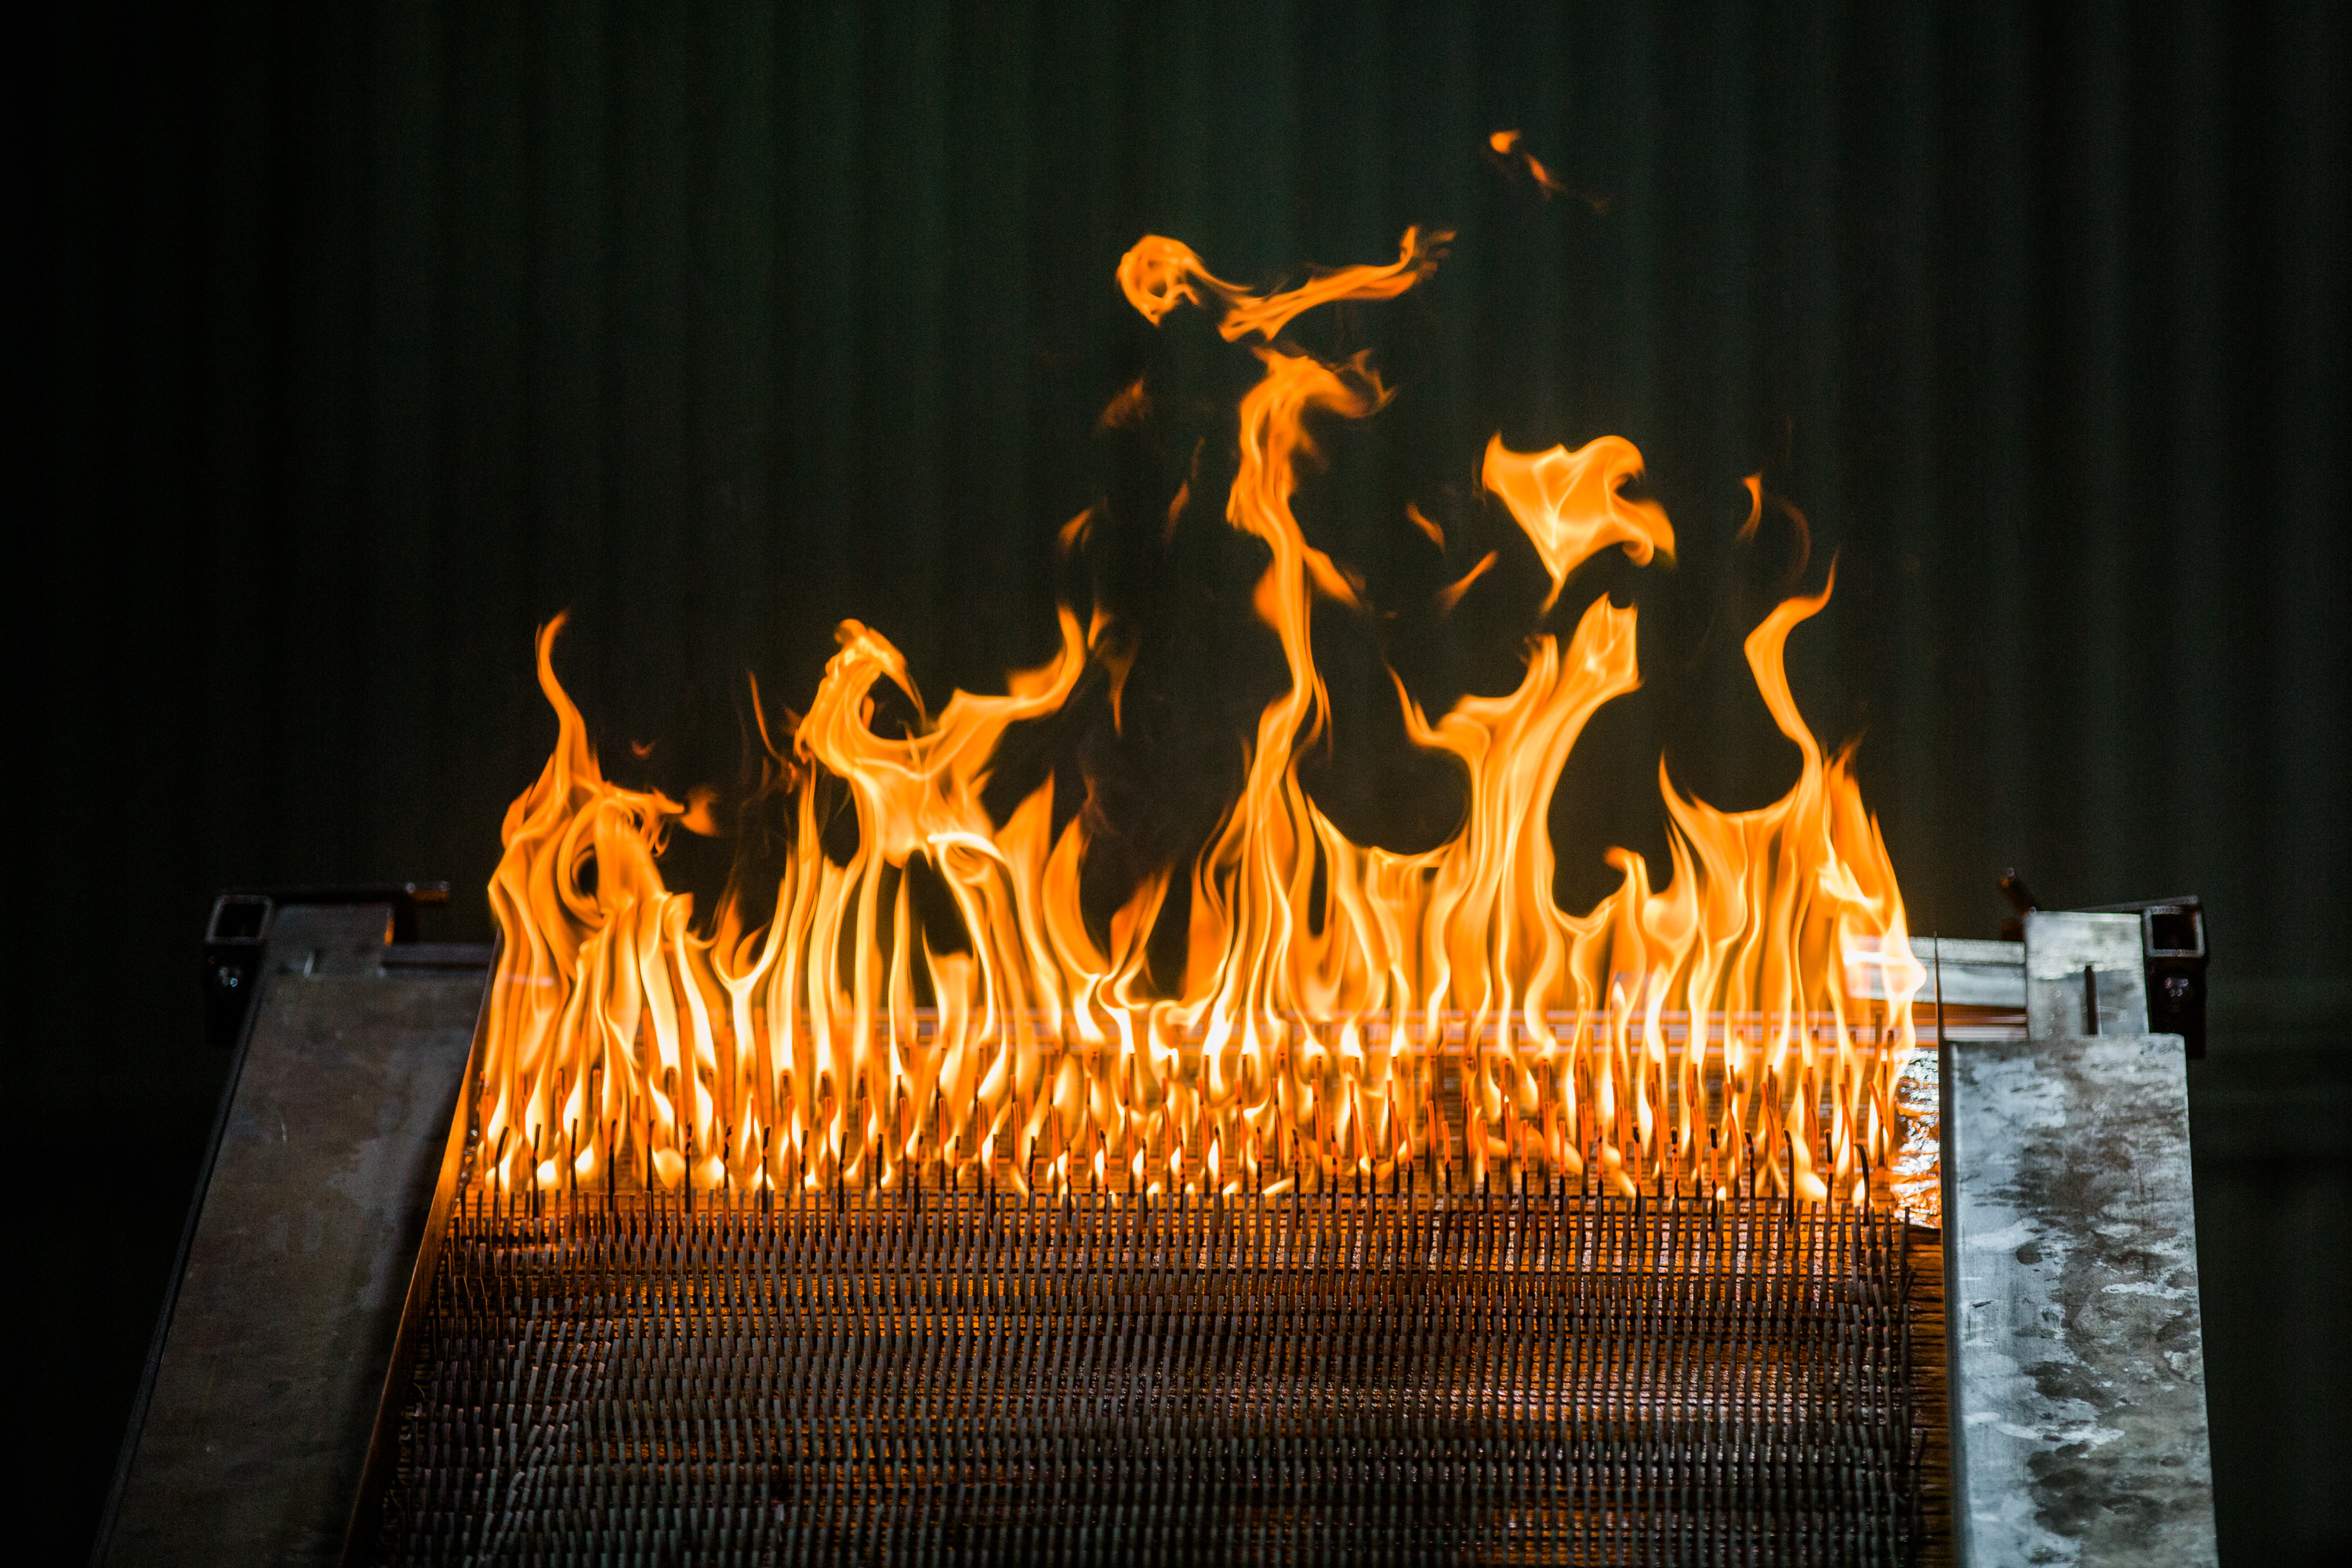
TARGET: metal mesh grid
(1336,1375)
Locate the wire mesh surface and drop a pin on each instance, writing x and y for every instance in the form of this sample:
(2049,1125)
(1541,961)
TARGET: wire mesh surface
(1344,1376)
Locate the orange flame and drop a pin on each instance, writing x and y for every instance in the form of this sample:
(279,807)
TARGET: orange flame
(1345,1010)
(1507,145)
(1510,151)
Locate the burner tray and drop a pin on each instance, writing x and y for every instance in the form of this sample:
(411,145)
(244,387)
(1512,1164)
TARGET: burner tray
(1335,1375)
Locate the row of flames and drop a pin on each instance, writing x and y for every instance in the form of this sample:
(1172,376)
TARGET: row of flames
(1345,1012)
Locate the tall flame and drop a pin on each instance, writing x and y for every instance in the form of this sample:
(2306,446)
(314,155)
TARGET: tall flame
(1344,1010)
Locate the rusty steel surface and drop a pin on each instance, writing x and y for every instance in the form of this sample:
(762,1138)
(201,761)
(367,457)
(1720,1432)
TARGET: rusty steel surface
(252,1426)
(1331,1375)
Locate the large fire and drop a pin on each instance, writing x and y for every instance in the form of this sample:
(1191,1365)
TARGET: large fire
(1345,1012)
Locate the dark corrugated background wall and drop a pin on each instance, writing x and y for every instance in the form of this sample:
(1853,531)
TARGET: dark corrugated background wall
(364,338)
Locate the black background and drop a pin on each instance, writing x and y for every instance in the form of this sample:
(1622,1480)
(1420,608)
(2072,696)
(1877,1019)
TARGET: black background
(361,340)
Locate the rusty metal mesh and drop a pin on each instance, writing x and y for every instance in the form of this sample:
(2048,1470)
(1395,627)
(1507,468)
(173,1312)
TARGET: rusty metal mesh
(1336,1375)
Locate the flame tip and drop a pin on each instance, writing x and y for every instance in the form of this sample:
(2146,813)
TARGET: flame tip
(999,1019)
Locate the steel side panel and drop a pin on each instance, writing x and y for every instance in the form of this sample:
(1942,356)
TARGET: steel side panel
(266,1392)
(363,1520)
(2079,1362)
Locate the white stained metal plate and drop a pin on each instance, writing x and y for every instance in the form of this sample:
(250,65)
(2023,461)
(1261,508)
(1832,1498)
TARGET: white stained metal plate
(2079,964)
(2078,1367)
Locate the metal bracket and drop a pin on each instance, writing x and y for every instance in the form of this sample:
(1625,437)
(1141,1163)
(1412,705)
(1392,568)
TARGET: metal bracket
(2173,956)
(238,931)
(2172,949)
(2084,975)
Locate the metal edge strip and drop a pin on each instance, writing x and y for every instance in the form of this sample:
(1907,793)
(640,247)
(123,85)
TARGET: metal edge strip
(1955,1419)
(136,1426)
(361,1529)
